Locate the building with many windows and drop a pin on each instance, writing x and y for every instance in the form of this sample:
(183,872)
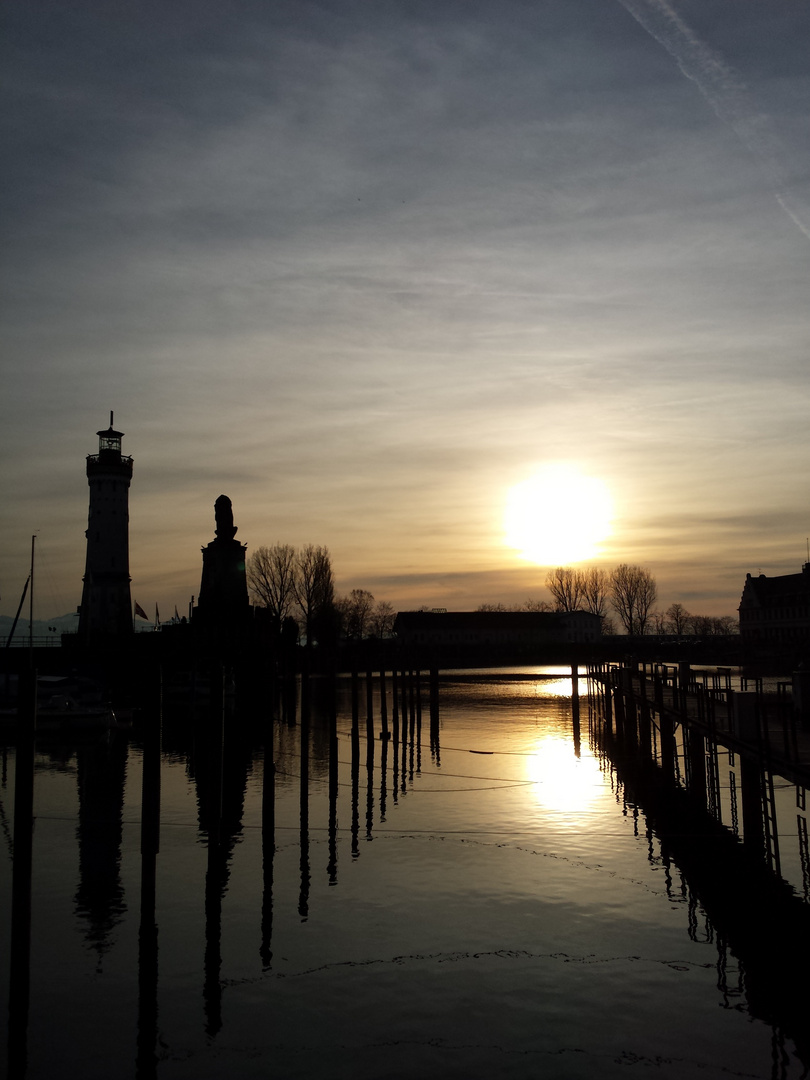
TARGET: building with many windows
(776,610)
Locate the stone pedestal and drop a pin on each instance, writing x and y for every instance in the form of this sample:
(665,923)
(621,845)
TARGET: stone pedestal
(223,607)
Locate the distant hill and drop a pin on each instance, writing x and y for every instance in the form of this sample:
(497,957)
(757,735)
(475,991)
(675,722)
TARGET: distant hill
(42,627)
(61,624)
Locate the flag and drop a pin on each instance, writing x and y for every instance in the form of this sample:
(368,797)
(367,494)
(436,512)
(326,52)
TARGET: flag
(139,611)
(157,616)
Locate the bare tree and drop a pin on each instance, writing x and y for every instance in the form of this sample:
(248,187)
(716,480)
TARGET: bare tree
(677,618)
(382,619)
(314,587)
(537,605)
(646,597)
(356,609)
(565,586)
(658,622)
(713,625)
(595,589)
(701,625)
(632,593)
(271,579)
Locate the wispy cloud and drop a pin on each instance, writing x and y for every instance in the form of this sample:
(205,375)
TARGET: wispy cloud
(731,99)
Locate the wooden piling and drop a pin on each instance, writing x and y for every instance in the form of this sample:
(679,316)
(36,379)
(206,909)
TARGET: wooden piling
(384,732)
(303,895)
(355,705)
(331,868)
(146,1059)
(268,849)
(696,765)
(370,707)
(20,945)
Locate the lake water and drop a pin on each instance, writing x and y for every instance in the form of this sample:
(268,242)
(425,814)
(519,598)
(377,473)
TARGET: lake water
(480,901)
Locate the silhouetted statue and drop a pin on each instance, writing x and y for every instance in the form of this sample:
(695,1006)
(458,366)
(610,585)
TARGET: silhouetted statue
(223,512)
(223,606)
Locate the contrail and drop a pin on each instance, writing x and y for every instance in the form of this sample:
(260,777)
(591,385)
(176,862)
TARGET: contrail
(728,96)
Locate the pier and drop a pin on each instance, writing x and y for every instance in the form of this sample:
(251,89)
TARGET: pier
(740,750)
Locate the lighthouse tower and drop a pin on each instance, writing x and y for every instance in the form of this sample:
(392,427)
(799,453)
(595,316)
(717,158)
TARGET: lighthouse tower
(106,608)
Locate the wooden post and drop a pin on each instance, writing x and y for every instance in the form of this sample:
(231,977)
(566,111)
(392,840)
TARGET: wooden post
(434,696)
(395,697)
(645,725)
(752,794)
(607,701)
(696,756)
(331,866)
(303,896)
(383,777)
(355,705)
(268,849)
(370,707)
(212,986)
(395,684)
(150,845)
(618,703)
(668,747)
(20,945)
(384,733)
(150,799)
(355,788)
(575,708)
(412,723)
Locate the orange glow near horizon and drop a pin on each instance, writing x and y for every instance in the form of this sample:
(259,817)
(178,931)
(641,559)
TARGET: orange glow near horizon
(558,516)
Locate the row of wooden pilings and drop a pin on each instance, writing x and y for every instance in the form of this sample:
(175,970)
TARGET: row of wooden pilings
(393,701)
(630,710)
(406,699)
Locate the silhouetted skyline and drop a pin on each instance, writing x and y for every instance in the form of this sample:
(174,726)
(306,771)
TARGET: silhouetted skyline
(366,267)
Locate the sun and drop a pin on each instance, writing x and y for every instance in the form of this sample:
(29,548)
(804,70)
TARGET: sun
(558,516)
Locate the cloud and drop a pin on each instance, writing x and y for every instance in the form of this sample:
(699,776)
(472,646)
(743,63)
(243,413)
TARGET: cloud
(730,98)
(363,267)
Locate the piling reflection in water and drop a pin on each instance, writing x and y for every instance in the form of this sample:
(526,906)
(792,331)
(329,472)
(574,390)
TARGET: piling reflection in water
(726,905)
(147,1058)
(751,913)
(99,898)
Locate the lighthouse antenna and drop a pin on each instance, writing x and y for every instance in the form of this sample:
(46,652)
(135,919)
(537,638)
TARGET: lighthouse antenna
(111,418)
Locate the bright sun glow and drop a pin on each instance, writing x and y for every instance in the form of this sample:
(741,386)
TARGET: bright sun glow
(558,516)
(564,782)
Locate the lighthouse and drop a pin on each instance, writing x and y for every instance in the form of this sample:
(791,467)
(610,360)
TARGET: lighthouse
(106,609)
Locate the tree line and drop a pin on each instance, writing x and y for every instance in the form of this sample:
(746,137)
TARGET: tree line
(296,587)
(630,592)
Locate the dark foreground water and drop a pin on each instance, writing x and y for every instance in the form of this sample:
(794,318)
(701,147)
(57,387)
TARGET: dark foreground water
(480,902)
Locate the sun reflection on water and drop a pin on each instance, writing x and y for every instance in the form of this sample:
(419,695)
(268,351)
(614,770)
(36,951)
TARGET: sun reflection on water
(563,780)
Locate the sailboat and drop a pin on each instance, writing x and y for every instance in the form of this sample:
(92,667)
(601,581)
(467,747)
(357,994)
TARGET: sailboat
(64,702)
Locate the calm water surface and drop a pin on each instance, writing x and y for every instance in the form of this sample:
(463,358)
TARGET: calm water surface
(479,902)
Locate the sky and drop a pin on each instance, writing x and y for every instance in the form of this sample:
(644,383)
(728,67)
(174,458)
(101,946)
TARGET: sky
(380,270)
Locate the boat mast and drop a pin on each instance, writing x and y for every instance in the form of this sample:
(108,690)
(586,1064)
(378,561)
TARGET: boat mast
(31,603)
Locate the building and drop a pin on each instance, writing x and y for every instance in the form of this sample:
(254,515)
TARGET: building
(521,632)
(106,607)
(776,610)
